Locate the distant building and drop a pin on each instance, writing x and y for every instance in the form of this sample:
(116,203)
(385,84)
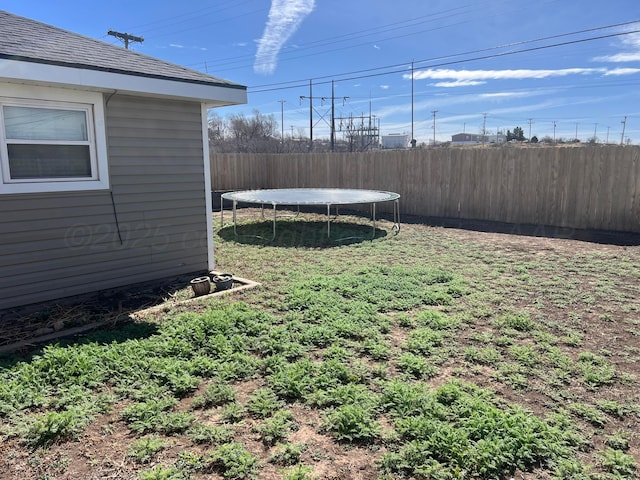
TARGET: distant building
(467,139)
(476,138)
(498,138)
(395,140)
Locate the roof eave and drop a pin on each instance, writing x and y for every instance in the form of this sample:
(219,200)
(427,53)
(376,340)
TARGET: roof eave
(211,94)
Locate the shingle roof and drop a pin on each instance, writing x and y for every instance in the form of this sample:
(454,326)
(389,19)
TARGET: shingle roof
(27,40)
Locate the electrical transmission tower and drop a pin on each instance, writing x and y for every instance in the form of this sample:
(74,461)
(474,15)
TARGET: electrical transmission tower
(330,112)
(362,132)
(125,37)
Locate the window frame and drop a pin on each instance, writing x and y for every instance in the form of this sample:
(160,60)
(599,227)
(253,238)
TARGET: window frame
(92,103)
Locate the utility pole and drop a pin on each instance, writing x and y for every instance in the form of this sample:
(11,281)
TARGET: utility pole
(125,37)
(412,137)
(369,131)
(332,126)
(310,97)
(434,126)
(310,115)
(484,128)
(333,118)
(607,141)
(282,102)
(595,134)
(554,132)
(624,126)
(530,122)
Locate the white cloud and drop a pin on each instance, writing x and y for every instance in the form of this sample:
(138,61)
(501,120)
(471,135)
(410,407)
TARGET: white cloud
(506,94)
(384,87)
(624,71)
(631,43)
(285,17)
(465,78)
(459,83)
(177,45)
(456,100)
(376,47)
(619,57)
(483,75)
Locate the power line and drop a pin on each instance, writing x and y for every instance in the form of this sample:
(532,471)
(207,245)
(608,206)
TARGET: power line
(405,66)
(235,60)
(238,60)
(198,14)
(470,52)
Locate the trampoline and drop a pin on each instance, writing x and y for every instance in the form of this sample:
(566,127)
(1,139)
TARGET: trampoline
(326,197)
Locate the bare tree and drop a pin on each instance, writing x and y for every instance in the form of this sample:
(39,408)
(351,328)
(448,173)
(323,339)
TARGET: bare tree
(217,128)
(254,134)
(240,133)
(258,133)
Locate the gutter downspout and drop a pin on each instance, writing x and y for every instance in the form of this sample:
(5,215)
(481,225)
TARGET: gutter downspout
(207,187)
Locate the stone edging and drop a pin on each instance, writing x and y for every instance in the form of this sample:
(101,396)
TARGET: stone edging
(139,314)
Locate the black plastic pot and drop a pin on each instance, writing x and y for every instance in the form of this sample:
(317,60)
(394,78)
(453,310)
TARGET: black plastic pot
(224,281)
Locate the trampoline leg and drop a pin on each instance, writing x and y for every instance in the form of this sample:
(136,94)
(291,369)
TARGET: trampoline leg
(328,221)
(274,223)
(373,219)
(235,232)
(396,217)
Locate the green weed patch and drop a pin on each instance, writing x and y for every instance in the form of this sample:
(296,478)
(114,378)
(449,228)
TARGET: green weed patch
(460,431)
(357,347)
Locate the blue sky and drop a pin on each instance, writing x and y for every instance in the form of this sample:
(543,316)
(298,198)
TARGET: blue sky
(496,63)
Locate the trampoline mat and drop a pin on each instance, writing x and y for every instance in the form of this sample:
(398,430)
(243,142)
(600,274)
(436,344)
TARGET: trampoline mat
(311,196)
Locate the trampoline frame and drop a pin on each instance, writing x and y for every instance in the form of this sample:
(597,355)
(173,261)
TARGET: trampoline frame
(287,196)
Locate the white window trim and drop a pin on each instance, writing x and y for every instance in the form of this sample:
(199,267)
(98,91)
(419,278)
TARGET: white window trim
(93,102)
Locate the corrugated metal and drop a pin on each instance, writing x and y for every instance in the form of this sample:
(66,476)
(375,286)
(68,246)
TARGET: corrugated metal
(55,245)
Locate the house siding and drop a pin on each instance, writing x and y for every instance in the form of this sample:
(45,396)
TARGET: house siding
(60,244)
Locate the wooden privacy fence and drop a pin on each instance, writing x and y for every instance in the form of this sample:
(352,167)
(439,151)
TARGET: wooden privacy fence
(594,187)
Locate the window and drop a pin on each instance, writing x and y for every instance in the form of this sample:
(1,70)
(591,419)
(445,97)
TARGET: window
(52,143)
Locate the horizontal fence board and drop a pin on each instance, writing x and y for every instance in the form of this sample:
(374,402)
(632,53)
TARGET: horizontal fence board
(590,187)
